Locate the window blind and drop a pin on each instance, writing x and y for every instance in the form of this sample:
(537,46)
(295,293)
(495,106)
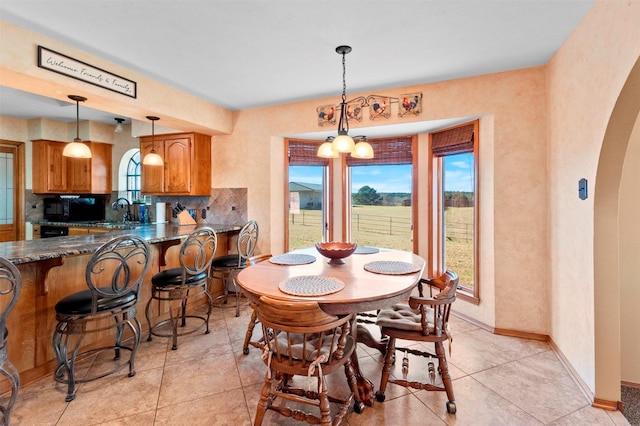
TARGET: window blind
(396,150)
(303,153)
(457,140)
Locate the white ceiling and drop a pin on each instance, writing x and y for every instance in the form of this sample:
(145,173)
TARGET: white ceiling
(241,54)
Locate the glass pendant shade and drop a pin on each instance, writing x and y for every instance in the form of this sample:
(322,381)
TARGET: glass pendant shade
(343,143)
(118,128)
(362,150)
(326,151)
(153,158)
(77,149)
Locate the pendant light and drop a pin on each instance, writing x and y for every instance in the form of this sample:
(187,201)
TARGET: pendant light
(326,149)
(152,158)
(118,128)
(344,143)
(362,149)
(77,149)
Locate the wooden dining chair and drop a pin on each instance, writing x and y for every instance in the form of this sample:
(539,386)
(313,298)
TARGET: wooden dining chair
(300,339)
(253,321)
(424,319)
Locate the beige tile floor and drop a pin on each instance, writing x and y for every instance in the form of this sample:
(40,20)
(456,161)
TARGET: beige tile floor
(208,381)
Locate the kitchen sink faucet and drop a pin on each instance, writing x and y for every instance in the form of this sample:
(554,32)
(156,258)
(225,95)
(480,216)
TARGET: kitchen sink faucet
(127,216)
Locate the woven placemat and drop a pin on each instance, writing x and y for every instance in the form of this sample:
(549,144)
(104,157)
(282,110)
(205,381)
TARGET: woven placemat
(311,285)
(366,250)
(292,259)
(391,267)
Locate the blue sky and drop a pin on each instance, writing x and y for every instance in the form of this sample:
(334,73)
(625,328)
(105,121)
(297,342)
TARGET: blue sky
(384,179)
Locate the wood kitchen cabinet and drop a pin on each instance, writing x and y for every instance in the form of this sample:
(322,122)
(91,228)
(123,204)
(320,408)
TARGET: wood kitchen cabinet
(55,174)
(187,165)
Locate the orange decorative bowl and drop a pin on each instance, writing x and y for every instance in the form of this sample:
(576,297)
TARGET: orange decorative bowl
(336,250)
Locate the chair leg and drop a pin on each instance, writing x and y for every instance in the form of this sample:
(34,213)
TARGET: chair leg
(119,331)
(386,369)
(136,329)
(249,334)
(323,396)
(237,294)
(10,371)
(209,307)
(446,378)
(265,399)
(148,315)
(350,372)
(174,324)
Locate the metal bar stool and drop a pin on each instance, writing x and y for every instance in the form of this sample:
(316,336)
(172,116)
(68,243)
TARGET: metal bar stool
(10,286)
(114,275)
(225,268)
(177,285)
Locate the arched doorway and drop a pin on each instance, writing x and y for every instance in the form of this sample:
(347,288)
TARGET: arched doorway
(608,258)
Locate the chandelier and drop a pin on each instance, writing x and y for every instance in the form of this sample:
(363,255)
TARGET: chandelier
(343,143)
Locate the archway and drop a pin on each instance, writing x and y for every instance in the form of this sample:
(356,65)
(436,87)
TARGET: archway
(607,257)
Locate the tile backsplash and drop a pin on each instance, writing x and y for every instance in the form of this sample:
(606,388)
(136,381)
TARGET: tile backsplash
(225,206)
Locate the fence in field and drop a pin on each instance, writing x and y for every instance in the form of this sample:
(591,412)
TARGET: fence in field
(386,225)
(459,231)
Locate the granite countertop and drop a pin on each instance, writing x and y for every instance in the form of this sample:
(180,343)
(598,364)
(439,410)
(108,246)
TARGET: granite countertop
(95,224)
(49,248)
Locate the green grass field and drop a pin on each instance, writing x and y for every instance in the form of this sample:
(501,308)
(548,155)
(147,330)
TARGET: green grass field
(390,226)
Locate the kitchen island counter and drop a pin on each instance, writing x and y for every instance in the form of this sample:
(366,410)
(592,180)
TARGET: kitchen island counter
(52,268)
(26,251)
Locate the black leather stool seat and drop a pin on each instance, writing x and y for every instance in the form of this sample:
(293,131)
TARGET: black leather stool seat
(80,303)
(173,276)
(183,286)
(228,261)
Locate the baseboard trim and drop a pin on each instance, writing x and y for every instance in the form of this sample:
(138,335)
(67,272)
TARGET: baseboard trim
(630,384)
(607,405)
(502,331)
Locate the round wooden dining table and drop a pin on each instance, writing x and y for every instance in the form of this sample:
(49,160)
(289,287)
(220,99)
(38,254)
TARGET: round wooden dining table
(363,290)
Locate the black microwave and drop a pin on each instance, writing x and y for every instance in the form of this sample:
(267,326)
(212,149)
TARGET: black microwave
(74,209)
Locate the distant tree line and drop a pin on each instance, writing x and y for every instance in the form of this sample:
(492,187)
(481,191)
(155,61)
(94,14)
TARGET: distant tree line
(367,196)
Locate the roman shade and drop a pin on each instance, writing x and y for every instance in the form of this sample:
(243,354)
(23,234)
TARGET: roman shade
(457,140)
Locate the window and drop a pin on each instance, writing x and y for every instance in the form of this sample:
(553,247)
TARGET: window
(307,212)
(381,195)
(454,153)
(133,177)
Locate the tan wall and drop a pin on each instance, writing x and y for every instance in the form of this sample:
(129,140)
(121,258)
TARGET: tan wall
(630,260)
(585,78)
(512,107)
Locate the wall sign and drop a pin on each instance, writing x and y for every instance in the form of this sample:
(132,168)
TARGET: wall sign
(62,64)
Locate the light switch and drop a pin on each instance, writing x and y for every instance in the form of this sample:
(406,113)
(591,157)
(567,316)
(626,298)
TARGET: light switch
(582,189)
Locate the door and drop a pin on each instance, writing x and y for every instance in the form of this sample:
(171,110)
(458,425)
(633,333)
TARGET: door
(11,191)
